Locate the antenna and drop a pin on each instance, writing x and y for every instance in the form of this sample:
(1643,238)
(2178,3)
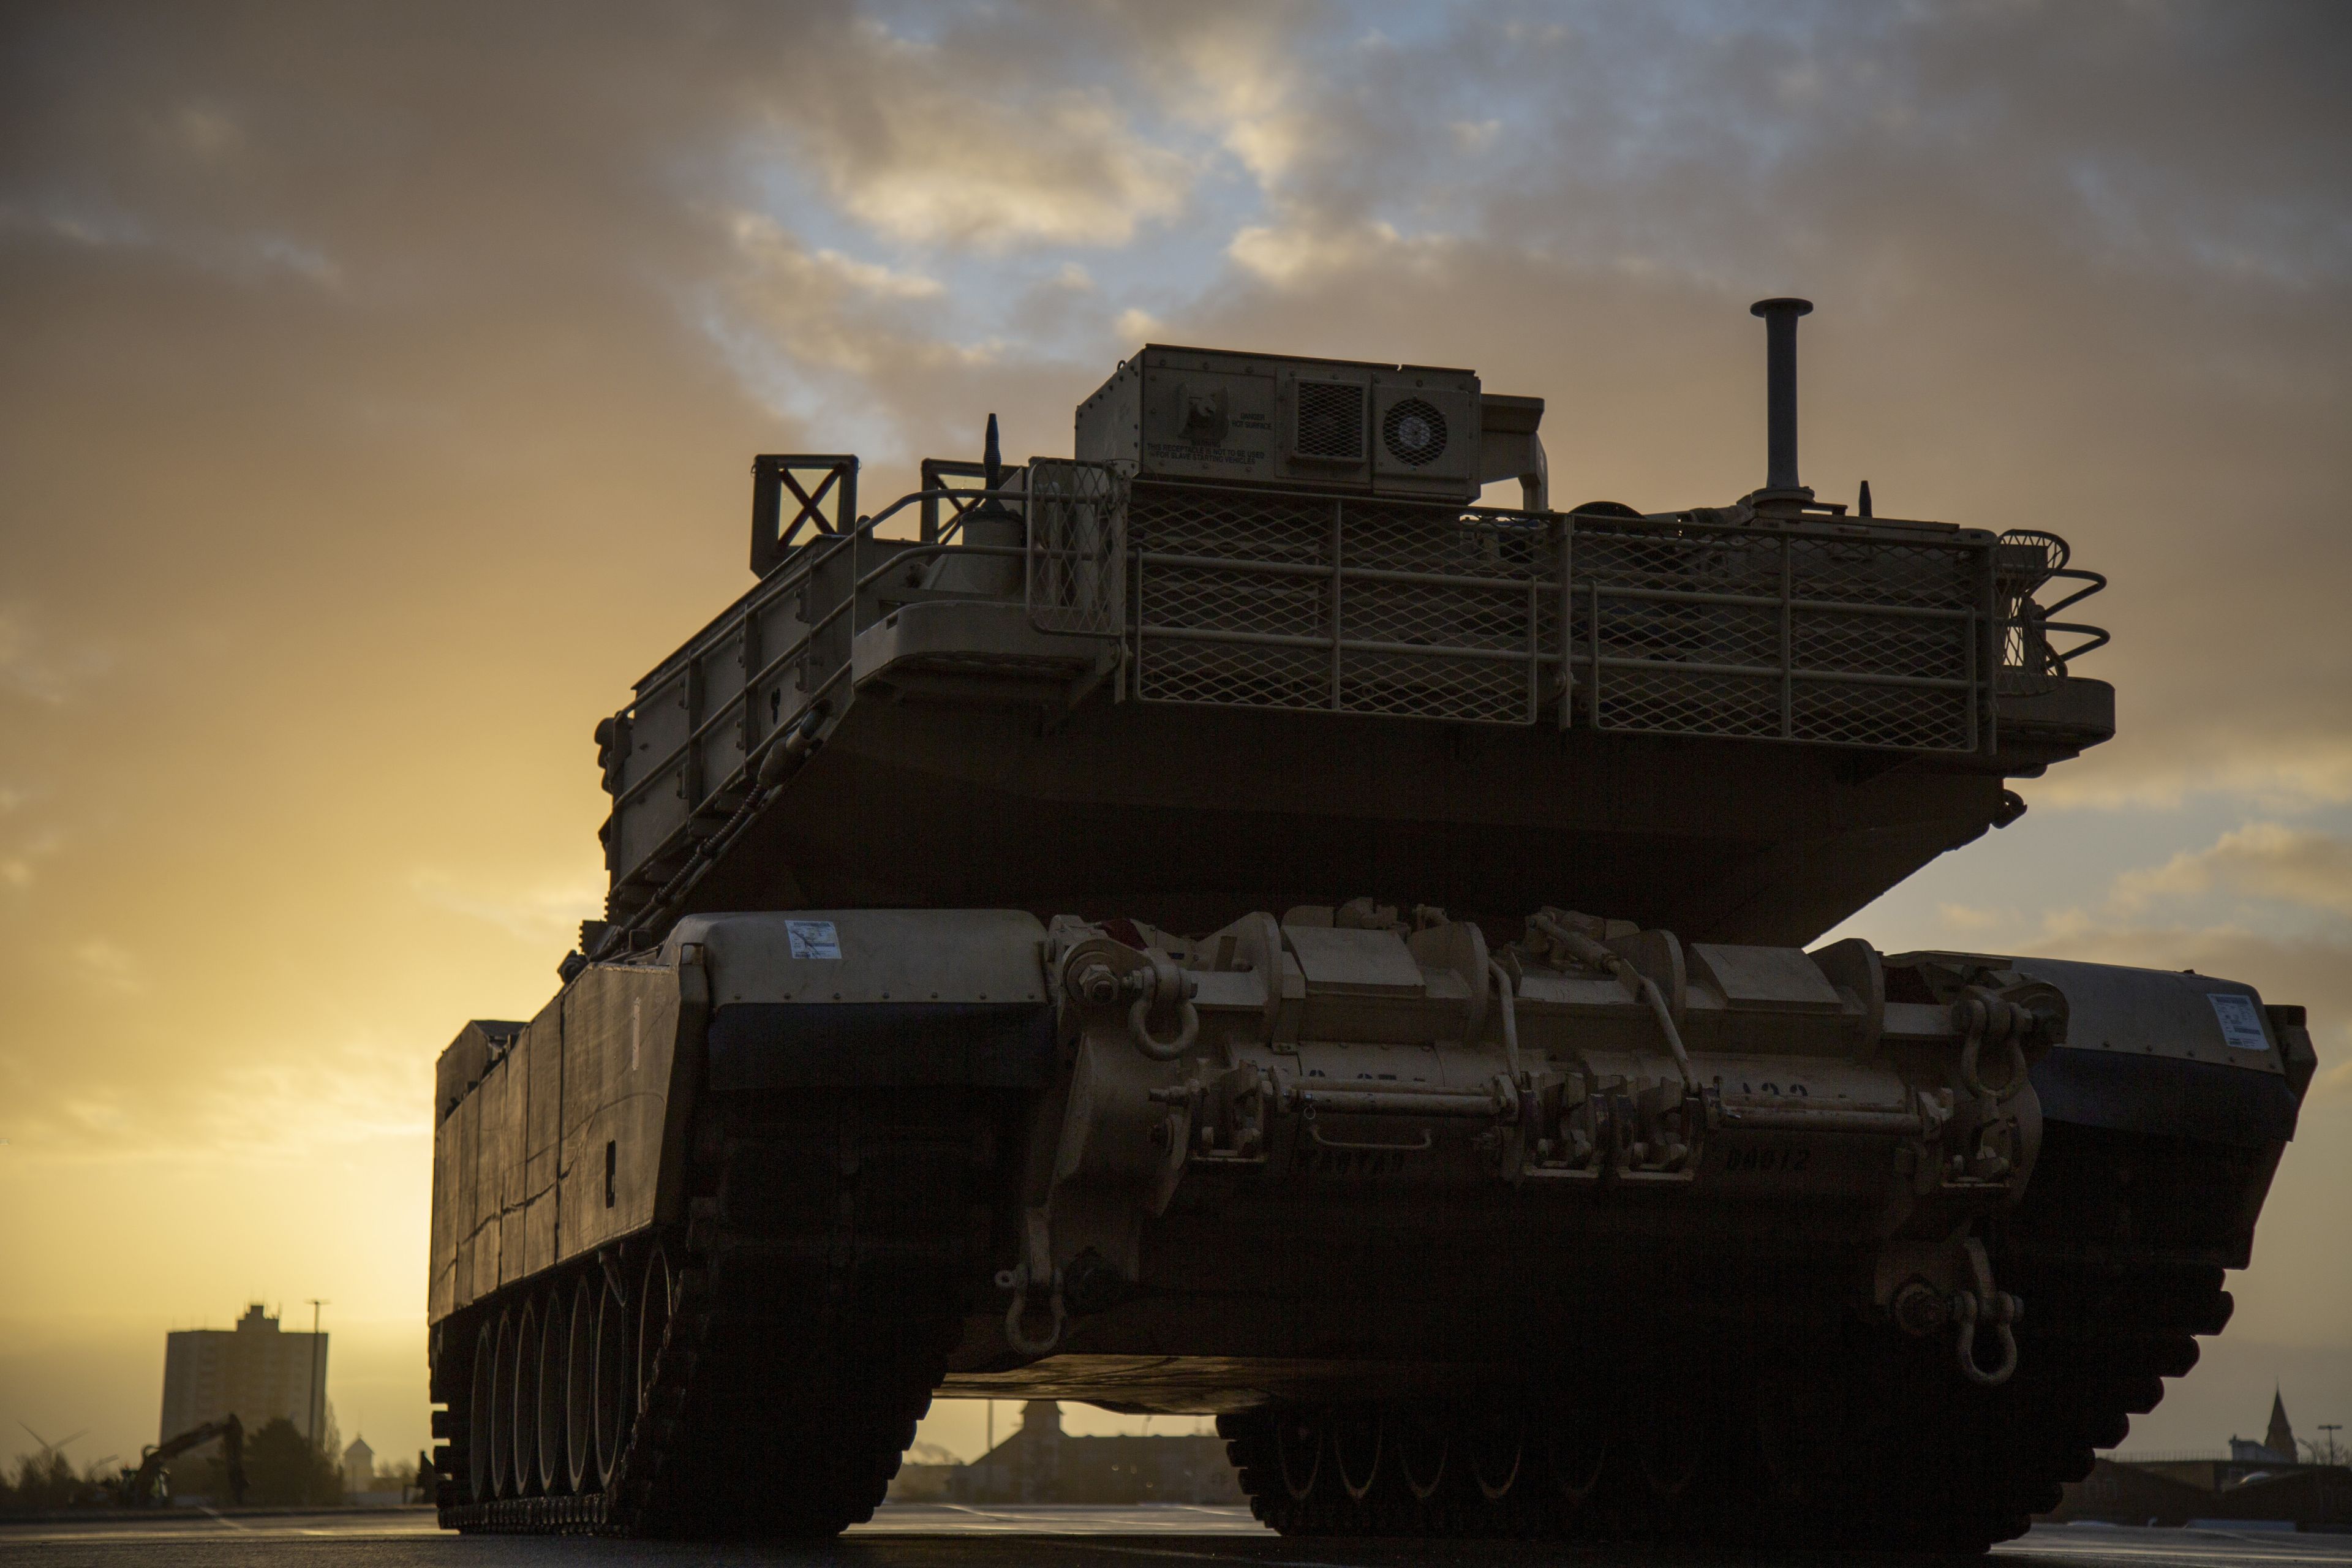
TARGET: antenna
(1780,481)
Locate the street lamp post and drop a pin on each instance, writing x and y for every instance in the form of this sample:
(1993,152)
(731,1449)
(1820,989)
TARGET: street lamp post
(317,1395)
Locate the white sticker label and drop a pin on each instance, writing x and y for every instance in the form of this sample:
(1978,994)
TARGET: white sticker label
(814,939)
(2242,1023)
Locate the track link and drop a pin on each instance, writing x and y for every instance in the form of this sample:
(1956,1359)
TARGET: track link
(1862,1440)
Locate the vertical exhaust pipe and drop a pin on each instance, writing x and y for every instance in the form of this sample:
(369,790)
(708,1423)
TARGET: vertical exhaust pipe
(1780,481)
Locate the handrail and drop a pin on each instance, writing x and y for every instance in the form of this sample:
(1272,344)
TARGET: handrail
(2100,638)
(798,650)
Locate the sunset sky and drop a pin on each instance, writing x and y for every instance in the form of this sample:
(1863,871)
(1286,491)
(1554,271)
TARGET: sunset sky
(378,385)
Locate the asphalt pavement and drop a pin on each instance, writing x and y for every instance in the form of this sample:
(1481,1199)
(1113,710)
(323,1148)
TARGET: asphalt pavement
(922,1535)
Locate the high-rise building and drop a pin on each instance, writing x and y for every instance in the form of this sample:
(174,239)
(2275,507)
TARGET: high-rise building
(252,1372)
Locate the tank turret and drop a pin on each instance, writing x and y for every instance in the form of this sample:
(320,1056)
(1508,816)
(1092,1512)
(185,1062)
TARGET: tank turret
(1258,610)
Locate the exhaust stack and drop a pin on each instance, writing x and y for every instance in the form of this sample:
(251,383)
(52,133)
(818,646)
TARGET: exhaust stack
(1780,481)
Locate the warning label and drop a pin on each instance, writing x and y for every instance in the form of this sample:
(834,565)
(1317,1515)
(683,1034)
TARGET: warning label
(814,939)
(2242,1021)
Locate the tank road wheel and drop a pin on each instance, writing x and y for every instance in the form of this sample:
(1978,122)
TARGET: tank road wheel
(502,1410)
(479,1445)
(580,1390)
(1358,1444)
(1670,1455)
(554,1464)
(526,1401)
(654,1300)
(1422,1445)
(616,1383)
(1575,1450)
(1497,1453)
(1299,1451)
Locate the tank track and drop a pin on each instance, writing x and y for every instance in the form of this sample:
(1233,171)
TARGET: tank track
(1853,1437)
(809,1319)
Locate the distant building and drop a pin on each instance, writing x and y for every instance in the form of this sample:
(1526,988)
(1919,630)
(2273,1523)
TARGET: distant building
(359,1467)
(1039,1463)
(2263,1481)
(252,1372)
(2278,1444)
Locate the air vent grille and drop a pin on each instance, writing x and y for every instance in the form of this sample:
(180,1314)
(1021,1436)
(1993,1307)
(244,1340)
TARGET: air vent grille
(1414,433)
(1332,420)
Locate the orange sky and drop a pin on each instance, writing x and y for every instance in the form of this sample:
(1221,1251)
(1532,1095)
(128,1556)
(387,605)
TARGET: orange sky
(379,385)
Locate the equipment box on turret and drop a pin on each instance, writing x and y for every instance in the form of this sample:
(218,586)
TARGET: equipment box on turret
(1194,414)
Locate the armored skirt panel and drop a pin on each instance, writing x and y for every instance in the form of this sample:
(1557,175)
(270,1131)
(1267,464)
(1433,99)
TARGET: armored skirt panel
(551,1142)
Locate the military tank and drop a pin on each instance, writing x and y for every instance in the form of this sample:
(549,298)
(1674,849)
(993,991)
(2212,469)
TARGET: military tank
(1223,924)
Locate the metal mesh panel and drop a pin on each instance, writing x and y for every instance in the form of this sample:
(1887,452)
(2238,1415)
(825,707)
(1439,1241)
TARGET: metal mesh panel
(2026,559)
(1352,606)
(1076,565)
(1886,571)
(1673,626)
(1827,642)
(1425,687)
(1702,632)
(1914,718)
(1244,674)
(1680,702)
(1196,520)
(1330,420)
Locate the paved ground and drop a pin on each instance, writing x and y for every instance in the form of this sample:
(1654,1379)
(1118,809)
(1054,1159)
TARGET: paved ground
(927,1536)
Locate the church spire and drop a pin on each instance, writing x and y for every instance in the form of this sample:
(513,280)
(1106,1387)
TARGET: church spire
(2280,1438)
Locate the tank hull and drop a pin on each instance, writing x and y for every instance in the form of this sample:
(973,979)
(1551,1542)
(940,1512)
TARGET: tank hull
(1319,1184)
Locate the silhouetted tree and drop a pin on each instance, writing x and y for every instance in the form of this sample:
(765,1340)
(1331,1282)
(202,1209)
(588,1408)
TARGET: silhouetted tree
(43,1482)
(281,1467)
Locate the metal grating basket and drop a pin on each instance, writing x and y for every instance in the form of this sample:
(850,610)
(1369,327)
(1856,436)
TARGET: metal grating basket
(1814,634)
(1290,601)
(1076,566)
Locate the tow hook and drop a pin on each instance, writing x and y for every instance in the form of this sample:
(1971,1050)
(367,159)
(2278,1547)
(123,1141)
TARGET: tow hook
(1154,984)
(1025,1298)
(1036,1286)
(1920,1309)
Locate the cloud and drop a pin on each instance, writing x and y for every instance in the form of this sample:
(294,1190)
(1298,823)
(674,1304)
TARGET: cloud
(31,667)
(2263,859)
(2294,764)
(1305,252)
(950,141)
(544,916)
(107,968)
(1068,170)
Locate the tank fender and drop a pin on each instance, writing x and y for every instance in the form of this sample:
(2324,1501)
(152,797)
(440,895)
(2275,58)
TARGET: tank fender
(874,998)
(2156,1053)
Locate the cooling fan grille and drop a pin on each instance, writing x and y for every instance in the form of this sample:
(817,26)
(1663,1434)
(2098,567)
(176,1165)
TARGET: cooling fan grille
(1414,432)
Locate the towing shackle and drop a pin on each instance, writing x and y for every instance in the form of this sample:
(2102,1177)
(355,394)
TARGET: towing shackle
(1154,983)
